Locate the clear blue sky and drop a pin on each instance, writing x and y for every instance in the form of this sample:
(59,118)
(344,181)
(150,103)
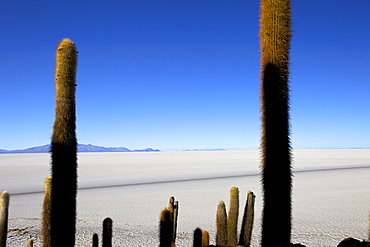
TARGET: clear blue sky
(182,74)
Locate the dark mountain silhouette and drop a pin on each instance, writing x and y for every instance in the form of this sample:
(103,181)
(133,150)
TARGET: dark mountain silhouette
(81,148)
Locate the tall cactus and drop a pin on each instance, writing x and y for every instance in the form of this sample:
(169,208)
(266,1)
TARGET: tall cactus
(46,212)
(64,148)
(275,35)
(248,218)
(221,224)
(4,212)
(232,217)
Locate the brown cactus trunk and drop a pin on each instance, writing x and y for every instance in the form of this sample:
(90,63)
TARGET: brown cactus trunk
(275,34)
(64,148)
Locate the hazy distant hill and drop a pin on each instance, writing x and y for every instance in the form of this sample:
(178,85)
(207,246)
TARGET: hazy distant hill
(81,148)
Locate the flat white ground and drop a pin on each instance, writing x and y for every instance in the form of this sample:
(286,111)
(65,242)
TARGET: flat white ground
(331,191)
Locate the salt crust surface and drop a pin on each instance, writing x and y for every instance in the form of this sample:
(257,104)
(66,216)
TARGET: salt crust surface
(330,193)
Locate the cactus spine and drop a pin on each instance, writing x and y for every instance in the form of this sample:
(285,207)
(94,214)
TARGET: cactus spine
(221,224)
(64,148)
(46,212)
(275,35)
(232,218)
(248,218)
(107,232)
(165,228)
(4,212)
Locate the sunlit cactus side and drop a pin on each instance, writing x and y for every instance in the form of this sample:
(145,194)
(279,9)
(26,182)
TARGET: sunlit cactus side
(107,232)
(174,218)
(173,208)
(165,228)
(197,239)
(205,238)
(95,240)
(248,218)
(4,213)
(64,148)
(221,224)
(232,217)
(46,213)
(275,35)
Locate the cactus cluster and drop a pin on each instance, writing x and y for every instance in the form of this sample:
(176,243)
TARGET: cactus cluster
(59,206)
(226,224)
(168,224)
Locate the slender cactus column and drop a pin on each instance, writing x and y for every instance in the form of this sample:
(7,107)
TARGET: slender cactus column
(46,214)
(64,149)
(221,224)
(232,217)
(275,35)
(4,214)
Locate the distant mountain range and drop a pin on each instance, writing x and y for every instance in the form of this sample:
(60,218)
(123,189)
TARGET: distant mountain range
(81,148)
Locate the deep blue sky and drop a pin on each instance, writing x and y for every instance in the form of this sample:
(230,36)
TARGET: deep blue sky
(182,74)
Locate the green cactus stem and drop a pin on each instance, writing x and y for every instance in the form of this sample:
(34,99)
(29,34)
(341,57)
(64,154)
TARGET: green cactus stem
(221,224)
(46,213)
(275,35)
(4,213)
(107,232)
(248,218)
(232,218)
(64,149)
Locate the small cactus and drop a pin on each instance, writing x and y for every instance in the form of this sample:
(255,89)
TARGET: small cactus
(197,240)
(95,240)
(221,224)
(165,228)
(4,211)
(205,239)
(232,219)
(247,225)
(46,212)
(107,232)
